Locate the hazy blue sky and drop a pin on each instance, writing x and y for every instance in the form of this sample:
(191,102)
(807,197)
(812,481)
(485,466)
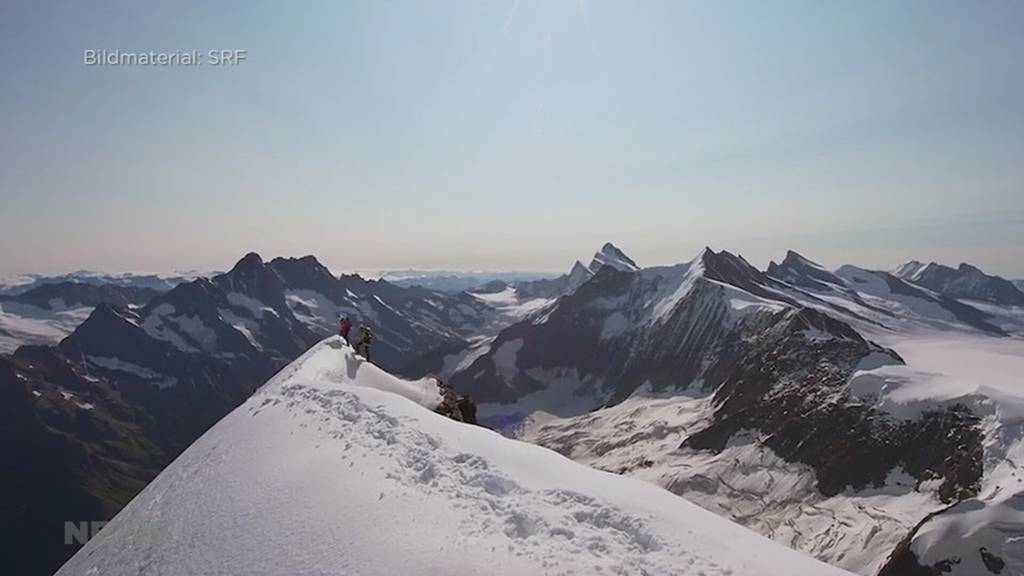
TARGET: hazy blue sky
(513,134)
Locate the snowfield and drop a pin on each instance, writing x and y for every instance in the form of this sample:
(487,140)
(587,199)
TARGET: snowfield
(746,482)
(22,324)
(510,307)
(336,467)
(984,373)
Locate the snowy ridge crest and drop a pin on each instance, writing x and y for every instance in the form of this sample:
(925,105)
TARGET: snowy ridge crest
(355,478)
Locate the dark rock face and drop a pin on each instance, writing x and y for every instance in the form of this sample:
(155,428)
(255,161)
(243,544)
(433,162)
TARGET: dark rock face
(253,278)
(968,282)
(790,388)
(993,563)
(568,337)
(454,406)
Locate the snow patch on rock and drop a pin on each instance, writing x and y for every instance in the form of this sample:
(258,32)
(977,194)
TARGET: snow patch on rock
(116,364)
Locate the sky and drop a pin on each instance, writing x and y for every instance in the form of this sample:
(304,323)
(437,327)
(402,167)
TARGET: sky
(512,134)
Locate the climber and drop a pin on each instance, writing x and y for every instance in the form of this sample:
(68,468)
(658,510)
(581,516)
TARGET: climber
(363,339)
(344,327)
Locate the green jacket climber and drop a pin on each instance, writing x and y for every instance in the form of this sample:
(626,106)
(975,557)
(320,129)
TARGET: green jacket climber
(363,339)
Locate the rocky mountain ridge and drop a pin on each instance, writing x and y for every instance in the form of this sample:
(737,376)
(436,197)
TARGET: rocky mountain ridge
(765,353)
(964,282)
(97,416)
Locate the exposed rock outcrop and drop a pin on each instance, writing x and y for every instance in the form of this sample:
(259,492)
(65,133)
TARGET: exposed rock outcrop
(454,406)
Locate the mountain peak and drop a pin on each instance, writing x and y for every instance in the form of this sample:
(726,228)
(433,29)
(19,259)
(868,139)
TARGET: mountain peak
(794,257)
(200,297)
(709,256)
(305,271)
(310,259)
(727,267)
(250,261)
(707,252)
(578,268)
(799,270)
(611,255)
(577,276)
(103,332)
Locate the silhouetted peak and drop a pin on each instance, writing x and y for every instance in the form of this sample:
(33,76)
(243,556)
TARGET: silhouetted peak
(250,261)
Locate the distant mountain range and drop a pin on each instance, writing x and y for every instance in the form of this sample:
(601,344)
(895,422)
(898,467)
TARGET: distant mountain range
(794,400)
(964,281)
(764,396)
(158,282)
(456,280)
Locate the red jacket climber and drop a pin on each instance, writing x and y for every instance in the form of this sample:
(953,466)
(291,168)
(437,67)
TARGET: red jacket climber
(344,326)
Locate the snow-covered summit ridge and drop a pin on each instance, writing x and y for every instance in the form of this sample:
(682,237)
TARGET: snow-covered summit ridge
(331,469)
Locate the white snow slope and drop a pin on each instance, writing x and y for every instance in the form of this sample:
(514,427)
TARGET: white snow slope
(22,324)
(331,469)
